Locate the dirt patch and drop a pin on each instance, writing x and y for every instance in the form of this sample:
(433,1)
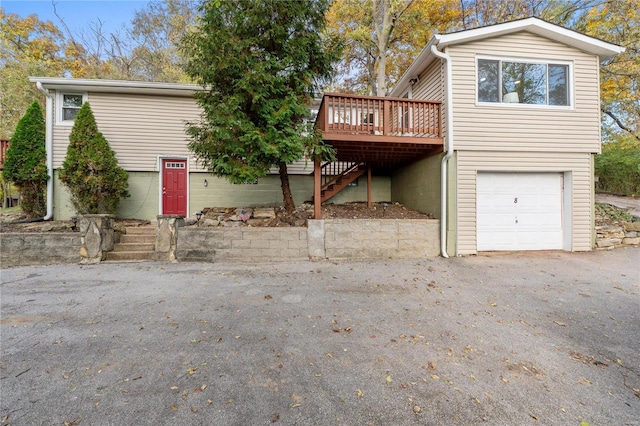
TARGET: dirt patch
(278,217)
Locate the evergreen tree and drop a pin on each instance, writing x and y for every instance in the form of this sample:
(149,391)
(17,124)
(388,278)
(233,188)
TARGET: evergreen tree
(90,170)
(26,161)
(259,60)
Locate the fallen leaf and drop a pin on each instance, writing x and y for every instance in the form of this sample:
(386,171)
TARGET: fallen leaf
(295,405)
(5,418)
(174,408)
(561,324)
(359,392)
(72,422)
(203,387)
(276,417)
(389,379)
(268,297)
(137,378)
(192,370)
(194,410)
(173,388)
(416,409)
(210,401)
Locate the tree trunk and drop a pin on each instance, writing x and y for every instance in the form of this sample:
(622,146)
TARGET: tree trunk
(289,205)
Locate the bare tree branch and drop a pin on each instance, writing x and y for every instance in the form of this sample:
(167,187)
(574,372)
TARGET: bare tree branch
(620,123)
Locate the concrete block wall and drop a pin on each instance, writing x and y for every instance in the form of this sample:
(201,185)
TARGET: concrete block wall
(322,239)
(367,239)
(25,249)
(241,243)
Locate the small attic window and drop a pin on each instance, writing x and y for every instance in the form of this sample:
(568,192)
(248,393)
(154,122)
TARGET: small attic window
(68,106)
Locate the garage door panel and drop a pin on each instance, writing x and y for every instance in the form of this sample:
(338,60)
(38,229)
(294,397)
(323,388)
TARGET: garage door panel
(519,211)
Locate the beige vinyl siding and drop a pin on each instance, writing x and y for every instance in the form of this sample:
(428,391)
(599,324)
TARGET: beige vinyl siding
(431,87)
(521,127)
(581,190)
(139,128)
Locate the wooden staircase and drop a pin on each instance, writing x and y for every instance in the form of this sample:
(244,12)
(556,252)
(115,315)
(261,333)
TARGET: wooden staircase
(336,176)
(136,244)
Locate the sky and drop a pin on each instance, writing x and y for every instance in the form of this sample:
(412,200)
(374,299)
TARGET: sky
(78,14)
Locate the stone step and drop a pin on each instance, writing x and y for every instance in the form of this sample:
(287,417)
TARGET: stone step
(120,256)
(141,230)
(136,246)
(137,238)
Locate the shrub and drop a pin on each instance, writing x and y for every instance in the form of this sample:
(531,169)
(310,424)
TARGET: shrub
(90,170)
(618,167)
(25,165)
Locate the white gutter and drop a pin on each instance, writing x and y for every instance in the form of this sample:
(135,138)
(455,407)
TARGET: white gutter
(49,147)
(449,144)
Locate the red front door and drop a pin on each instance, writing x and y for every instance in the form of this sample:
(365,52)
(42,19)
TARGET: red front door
(174,187)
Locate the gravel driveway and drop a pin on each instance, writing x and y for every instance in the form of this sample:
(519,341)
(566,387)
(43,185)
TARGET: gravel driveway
(545,338)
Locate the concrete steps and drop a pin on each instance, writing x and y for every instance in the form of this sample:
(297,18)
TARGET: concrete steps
(136,244)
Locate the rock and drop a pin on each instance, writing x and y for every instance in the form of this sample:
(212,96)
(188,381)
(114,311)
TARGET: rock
(604,243)
(210,222)
(632,226)
(258,222)
(189,221)
(264,213)
(631,241)
(231,223)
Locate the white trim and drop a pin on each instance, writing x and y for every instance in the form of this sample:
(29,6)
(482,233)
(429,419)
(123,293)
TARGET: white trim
(117,86)
(536,26)
(60,104)
(527,60)
(567,210)
(160,173)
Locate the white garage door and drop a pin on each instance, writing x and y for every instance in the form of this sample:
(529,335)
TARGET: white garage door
(519,211)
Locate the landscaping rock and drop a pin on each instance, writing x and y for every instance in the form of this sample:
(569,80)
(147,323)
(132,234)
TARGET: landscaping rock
(264,213)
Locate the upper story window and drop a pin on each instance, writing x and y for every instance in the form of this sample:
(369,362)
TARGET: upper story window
(523,82)
(68,105)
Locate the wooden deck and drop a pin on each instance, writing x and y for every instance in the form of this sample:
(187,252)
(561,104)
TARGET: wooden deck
(383,132)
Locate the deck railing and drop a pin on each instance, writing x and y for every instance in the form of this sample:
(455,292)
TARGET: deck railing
(354,114)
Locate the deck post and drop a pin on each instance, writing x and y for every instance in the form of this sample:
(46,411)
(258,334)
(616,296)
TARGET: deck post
(368,186)
(317,202)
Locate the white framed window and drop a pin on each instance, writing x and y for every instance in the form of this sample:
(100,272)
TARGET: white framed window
(68,104)
(522,81)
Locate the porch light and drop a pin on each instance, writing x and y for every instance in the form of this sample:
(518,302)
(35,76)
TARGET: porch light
(199,214)
(74,220)
(206,183)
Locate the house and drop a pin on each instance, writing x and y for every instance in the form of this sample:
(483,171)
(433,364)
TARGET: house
(144,123)
(492,130)
(521,124)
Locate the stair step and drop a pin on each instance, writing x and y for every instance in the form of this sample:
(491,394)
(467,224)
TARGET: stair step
(143,247)
(141,230)
(129,255)
(137,238)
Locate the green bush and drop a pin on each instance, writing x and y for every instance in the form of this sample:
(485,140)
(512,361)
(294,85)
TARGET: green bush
(25,165)
(90,169)
(618,167)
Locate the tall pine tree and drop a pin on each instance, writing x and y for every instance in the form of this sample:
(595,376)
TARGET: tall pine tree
(259,60)
(90,170)
(26,161)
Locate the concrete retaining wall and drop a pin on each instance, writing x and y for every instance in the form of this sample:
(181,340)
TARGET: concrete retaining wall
(242,244)
(24,249)
(322,239)
(384,238)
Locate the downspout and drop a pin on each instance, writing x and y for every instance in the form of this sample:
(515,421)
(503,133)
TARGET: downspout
(449,153)
(49,147)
